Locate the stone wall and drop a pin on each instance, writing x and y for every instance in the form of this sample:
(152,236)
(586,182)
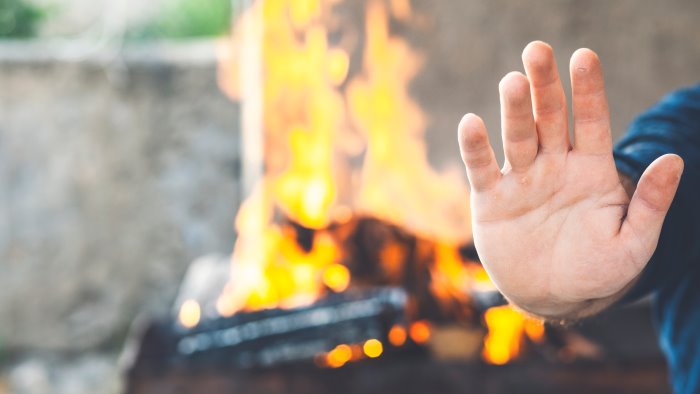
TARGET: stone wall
(115,172)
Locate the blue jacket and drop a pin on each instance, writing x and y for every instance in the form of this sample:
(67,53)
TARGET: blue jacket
(673,274)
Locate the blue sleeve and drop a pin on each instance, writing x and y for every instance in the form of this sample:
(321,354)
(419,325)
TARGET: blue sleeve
(671,126)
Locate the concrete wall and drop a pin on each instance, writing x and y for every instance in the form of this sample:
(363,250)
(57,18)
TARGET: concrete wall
(115,172)
(648,48)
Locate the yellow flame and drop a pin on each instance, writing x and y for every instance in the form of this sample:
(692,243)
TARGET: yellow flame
(337,277)
(506,327)
(316,118)
(302,12)
(338,66)
(450,276)
(398,182)
(312,108)
(504,339)
(190,314)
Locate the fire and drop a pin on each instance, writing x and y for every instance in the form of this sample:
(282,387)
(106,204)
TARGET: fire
(343,353)
(302,112)
(505,337)
(337,277)
(451,277)
(398,183)
(310,115)
(534,329)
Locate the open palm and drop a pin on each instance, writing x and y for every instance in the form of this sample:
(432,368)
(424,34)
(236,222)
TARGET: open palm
(555,228)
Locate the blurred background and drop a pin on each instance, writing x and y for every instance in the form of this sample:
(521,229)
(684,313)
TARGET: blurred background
(123,159)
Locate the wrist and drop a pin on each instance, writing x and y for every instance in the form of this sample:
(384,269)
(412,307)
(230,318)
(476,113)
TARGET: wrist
(551,310)
(561,311)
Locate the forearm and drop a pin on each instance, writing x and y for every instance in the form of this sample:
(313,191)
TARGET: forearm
(671,126)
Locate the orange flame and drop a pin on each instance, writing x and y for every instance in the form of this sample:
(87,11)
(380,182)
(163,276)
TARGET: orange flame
(302,111)
(339,356)
(398,183)
(306,101)
(312,113)
(506,331)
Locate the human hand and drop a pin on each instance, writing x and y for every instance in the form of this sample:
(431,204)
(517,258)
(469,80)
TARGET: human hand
(555,228)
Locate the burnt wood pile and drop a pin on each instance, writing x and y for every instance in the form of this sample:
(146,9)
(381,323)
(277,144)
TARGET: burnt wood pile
(629,363)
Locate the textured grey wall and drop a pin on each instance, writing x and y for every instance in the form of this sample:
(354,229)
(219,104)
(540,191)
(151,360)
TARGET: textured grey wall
(648,47)
(115,172)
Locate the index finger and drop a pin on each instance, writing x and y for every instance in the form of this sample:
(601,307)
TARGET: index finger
(477,154)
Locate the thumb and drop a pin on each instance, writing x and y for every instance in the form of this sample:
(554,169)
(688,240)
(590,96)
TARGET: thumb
(651,201)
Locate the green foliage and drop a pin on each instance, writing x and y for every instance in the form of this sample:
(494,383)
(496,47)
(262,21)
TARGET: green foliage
(189,19)
(19,19)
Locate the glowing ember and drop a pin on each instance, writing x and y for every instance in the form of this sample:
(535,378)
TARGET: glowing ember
(357,352)
(534,329)
(190,314)
(339,356)
(373,348)
(420,332)
(397,336)
(337,277)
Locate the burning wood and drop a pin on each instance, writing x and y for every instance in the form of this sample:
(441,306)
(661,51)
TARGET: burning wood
(365,265)
(274,337)
(347,199)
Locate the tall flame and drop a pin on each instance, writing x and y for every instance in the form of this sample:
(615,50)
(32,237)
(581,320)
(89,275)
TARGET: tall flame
(302,110)
(312,108)
(310,116)
(398,183)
